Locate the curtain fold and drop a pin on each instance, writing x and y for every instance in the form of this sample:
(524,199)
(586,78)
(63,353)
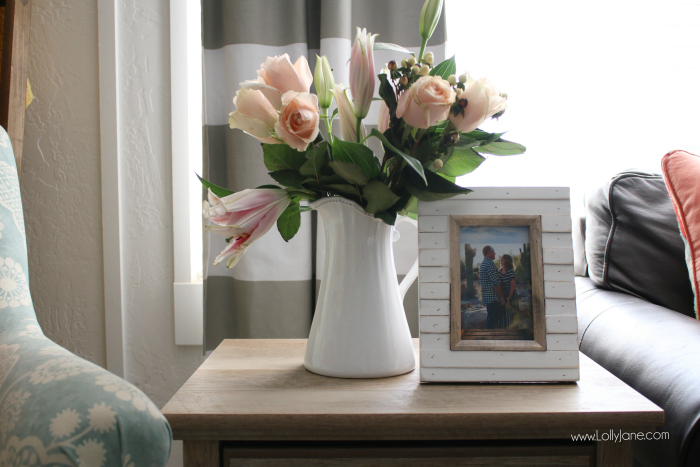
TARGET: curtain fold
(271,292)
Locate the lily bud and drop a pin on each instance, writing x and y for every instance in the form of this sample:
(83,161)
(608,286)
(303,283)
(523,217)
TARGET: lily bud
(452,79)
(429,58)
(424,70)
(429,17)
(324,82)
(415,69)
(362,72)
(392,65)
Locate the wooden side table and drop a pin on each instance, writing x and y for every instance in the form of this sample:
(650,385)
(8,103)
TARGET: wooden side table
(252,403)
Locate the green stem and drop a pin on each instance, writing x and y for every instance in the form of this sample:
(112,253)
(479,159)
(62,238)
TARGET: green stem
(422,49)
(358,134)
(324,115)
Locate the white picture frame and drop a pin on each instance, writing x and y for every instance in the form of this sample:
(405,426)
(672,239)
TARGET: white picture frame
(443,358)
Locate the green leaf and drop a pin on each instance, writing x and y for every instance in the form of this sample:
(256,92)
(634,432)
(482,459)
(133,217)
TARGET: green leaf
(379,197)
(462,161)
(445,69)
(358,154)
(289,222)
(331,179)
(389,217)
(216,189)
(352,173)
(316,160)
(411,161)
(288,177)
(282,157)
(386,91)
(501,147)
(483,136)
(438,188)
(389,46)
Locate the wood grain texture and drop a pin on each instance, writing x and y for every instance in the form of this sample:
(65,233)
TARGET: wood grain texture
(611,454)
(561,324)
(556,223)
(499,375)
(436,241)
(434,257)
(200,453)
(436,341)
(495,359)
(435,291)
(434,274)
(413,454)
(490,207)
(432,224)
(13,73)
(259,390)
(434,307)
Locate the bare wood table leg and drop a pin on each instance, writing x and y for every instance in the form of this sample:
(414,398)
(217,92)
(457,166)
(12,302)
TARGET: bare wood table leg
(201,454)
(611,454)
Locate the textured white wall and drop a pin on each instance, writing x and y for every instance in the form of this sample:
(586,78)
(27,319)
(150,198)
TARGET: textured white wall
(153,361)
(61,177)
(61,188)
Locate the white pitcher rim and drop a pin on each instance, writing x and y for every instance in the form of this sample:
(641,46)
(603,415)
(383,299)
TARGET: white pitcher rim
(340,199)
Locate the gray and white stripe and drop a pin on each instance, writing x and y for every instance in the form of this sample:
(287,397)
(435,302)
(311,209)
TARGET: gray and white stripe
(270,293)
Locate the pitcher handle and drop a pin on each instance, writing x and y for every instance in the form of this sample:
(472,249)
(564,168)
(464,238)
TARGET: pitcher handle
(412,274)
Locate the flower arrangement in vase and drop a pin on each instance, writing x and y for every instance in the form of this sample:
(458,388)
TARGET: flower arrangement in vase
(428,127)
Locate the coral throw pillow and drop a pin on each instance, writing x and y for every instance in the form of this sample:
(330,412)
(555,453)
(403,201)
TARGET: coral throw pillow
(682,175)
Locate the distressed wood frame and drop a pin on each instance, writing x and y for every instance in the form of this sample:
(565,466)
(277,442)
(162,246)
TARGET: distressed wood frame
(557,359)
(535,224)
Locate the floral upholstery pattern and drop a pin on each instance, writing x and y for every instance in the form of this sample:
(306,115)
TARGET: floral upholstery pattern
(57,409)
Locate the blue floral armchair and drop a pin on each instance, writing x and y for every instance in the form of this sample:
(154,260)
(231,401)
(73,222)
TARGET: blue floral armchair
(56,408)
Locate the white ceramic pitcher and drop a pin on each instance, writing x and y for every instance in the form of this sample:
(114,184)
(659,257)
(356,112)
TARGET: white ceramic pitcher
(359,329)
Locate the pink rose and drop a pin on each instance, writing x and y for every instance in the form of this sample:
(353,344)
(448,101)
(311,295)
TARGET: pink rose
(475,103)
(384,117)
(244,217)
(426,102)
(255,115)
(497,103)
(277,75)
(298,122)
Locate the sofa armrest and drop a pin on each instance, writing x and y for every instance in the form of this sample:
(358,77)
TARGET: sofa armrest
(59,409)
(654,350)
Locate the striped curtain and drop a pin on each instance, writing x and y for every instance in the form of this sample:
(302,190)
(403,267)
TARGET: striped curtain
(271,292)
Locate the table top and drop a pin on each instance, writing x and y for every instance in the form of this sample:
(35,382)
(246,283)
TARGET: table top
(258,389)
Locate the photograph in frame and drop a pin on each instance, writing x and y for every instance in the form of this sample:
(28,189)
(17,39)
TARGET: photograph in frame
(497,283)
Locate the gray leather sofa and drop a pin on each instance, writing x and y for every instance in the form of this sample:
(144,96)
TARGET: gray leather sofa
(635,310)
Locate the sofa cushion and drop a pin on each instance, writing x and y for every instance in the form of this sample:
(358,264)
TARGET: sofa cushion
(682,175)
(633,244)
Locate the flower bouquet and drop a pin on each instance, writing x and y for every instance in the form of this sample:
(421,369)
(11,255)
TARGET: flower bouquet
(428,121)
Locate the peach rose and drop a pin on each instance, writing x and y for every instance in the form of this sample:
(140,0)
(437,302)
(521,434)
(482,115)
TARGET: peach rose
(277,75)
(497,103)
(475,103)
(426,102)
(255,115)
(298,122)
